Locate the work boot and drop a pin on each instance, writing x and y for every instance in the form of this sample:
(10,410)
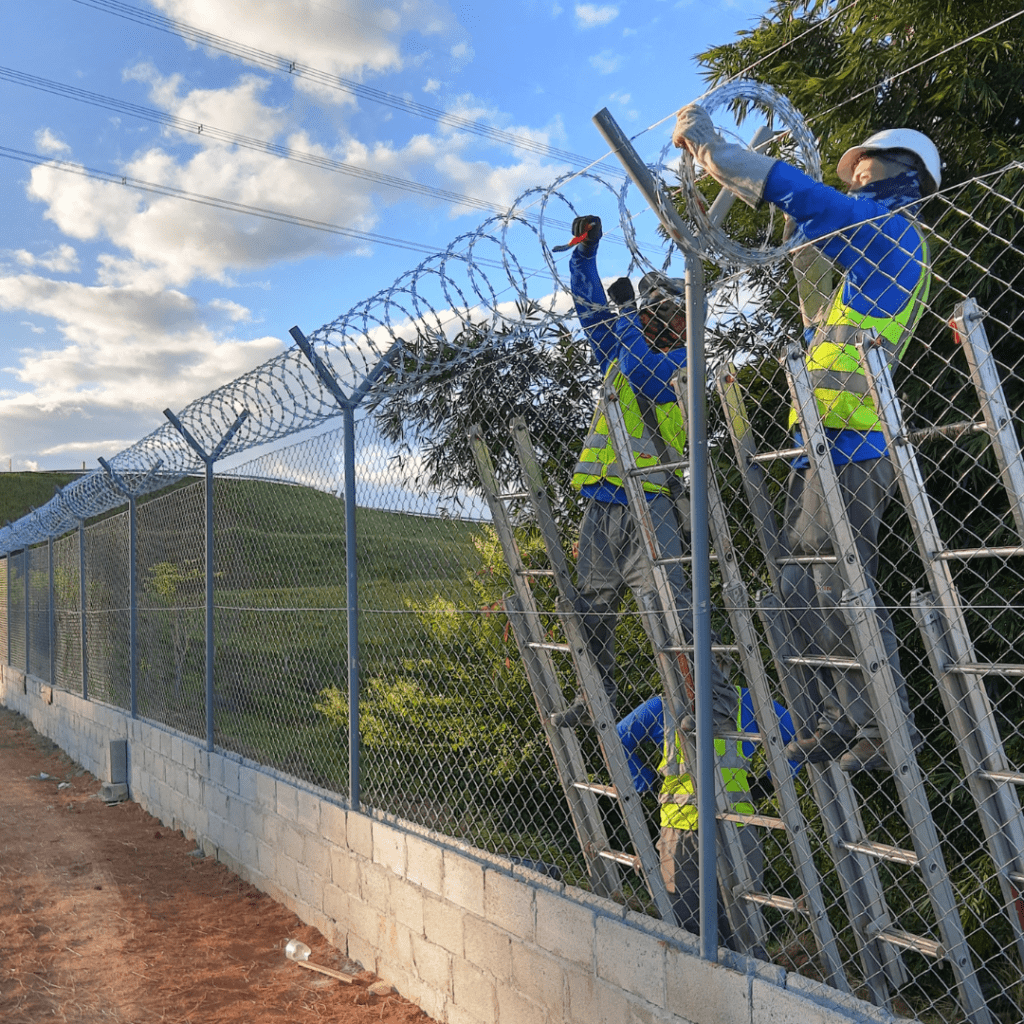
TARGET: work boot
(866,755)
(824,746)
(577,713)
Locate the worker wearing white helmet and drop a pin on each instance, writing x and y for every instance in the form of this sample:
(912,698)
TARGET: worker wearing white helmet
(871,235)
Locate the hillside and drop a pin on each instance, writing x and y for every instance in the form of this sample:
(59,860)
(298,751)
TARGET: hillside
(21,492)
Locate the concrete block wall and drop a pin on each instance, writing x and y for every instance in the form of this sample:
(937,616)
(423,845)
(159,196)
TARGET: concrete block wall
(464,934)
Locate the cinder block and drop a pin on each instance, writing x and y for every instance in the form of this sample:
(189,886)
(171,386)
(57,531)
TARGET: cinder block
(308,810)
(247,788)
(345,870)
(768,1002)
(332,823)
(565,928)
(508,903)
(844,1002)
(592,1002)
(366,922)
(442,925)
(336,904)
(631,960)
(407,905)
(231,767)
(704,992)
(266,791)
(237,813)
(538,976)
(488,948)
(287,801)
(389,847)
(316,856)
(287,874)
(359,834)
(176,755)
(375,885)
(473,991)
(117,761)
(424,864)
(464,882)
(309,888)
(432,963)
(289,840)
(396,945)
(513,1006)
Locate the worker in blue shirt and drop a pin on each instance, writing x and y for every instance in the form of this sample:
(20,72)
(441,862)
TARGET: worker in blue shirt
(872,237)
(639,346)
(677,840)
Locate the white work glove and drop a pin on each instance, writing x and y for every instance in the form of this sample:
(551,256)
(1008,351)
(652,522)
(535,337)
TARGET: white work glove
(813,273)
(737,168)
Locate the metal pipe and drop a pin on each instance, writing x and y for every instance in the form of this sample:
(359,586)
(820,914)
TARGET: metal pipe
(663,206)
(210,648)
(8,620)
(133,612)
(28,637)
(352,598)
(81,601)
(50,616)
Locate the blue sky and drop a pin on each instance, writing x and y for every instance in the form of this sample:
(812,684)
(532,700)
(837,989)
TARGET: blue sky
(116,303)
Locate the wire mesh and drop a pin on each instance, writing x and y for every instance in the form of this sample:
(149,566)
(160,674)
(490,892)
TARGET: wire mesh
(449,730)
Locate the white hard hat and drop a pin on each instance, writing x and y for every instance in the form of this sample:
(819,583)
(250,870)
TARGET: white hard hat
(895,138)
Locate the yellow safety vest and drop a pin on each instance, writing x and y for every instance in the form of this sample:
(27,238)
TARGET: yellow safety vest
(678,799)
(833,361)
(597,461)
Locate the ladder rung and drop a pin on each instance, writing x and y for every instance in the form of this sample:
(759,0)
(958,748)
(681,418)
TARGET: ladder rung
(563,648)
(1017,879)
(1017,778)
(823,662)
(806,560)
(512,495)
(537,572)
(784,453)
(751,819)
(715,649)
(918,943)
(882,851)
(986,668)
(957,554)
(596,787)
(779,902)
(950,430)
(631,860)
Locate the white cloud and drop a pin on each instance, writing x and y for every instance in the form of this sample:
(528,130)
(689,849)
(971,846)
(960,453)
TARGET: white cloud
(432,85)
(47,142)
(236,312)
(606,62)
(592,16)
(344,37)
(34,328)
(61,260)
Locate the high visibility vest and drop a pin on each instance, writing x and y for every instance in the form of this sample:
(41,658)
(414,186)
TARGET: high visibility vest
(678,800)
(833,361)
(598,462)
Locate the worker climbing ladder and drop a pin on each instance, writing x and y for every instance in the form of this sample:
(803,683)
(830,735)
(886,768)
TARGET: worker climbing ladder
(583,795)
(871,920)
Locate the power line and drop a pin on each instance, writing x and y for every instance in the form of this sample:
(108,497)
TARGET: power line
(246,142)
(225,204)
(281,65)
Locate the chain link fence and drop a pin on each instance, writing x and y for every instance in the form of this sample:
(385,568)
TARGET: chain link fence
(449,734)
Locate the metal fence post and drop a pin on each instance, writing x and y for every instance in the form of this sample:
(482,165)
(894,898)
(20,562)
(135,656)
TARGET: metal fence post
(662,205)
(348,405)
(81,601)
(133,598)
(26,561)
(8,560)
(208,459)
(51,616)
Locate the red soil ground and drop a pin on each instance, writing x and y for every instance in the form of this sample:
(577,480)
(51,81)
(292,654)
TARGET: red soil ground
(108,916)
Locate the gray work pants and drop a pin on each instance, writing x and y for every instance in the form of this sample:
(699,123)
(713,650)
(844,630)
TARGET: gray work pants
(678,853)
(610,560)
(812,593)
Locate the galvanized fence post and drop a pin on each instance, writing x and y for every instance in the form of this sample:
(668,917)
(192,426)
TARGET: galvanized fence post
(51,616)
(208,459)
(81,601)
(348,405)
(26,562)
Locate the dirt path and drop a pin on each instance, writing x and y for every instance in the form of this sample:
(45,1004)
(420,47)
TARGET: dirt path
(108,916)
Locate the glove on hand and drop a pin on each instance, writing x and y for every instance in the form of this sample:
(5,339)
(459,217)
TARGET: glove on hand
(591,226)
(621,291)
(694,129)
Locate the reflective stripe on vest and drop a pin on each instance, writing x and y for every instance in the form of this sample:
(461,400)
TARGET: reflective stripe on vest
(677,797)
(597,461)
(833,361)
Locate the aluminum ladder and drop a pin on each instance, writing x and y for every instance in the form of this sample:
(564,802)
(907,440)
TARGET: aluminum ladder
(583,795)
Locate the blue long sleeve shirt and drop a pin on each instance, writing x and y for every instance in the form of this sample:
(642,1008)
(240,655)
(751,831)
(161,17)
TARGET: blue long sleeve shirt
(618,336)
(878,248)
(646,724)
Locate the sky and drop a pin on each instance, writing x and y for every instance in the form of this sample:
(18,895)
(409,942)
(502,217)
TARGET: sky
(117,302)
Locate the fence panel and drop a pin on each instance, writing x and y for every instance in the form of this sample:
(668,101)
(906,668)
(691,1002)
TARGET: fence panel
(39,611)
(107,611)
(67,613)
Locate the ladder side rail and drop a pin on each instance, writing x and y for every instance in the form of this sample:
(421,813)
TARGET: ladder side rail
(543,679)
(587,672)
(968,322)
(737,601)
(858,875)
(859,610)
(664,628)
(969,711)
